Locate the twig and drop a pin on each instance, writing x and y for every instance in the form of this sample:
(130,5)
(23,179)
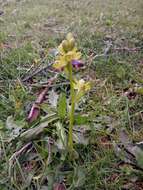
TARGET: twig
(37,72)
(17,153)
(104,54)
(34,73)
(13,159)
(107,51)
(50,142)
(127,49)
(35,110)
(44,84)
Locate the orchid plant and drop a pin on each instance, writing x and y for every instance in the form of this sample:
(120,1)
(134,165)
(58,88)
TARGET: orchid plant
(67,58)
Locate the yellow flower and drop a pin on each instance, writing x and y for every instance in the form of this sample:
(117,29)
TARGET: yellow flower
(66,58)
(82,86)
(72,55)
(69,36)
(61,49)
(60,63)
(67,53)
(67,45)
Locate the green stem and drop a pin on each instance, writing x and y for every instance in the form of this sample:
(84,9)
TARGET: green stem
(71,115)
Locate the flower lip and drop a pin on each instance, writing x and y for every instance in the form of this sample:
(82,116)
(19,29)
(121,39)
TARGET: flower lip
(81,85)
(77,63)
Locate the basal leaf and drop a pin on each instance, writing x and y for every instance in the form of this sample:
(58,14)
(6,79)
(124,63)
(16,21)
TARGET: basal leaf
(140,91)
(62,106)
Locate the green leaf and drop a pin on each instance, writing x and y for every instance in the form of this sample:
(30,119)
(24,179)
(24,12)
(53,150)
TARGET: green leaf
(121,72)
(62,139)
(139,157)
(140,91)
(79,177)
(34,133)
(53,98)
(1,125)
(80,120)
(62,106)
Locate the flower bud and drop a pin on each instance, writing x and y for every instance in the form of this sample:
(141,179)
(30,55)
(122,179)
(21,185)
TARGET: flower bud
(65,45)
(71,43)
(69,36)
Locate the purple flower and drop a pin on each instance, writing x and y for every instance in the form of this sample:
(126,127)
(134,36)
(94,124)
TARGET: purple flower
(77,64)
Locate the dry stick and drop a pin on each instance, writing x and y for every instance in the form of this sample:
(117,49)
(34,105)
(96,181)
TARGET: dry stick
(20,151)
(104,54)
(35,73)
(127,49)
(44,84)
(107,49)
(35,110)
(13,159)
(17,153)
(50,142)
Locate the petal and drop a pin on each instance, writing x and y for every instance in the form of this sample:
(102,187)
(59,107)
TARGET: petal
(78,84)
(88,86)
(61,50)
(77,63)
(77,55)
(69,56)
(59,64)
(56,65)
(75,84)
